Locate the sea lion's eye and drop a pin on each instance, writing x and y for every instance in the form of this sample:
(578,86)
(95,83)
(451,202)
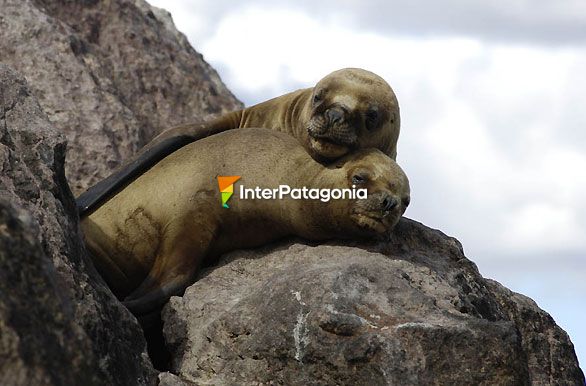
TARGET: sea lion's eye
(371,119)
(406,200)
(318,97)
(358,179)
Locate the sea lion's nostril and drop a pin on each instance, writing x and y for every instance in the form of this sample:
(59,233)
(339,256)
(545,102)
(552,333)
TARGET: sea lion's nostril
(388,203)
(335,115)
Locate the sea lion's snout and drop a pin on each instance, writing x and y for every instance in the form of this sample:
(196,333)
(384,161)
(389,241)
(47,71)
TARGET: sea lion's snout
(388,203)
(334,124)
(335,115)
(378,213)
(384,204)
(331,131)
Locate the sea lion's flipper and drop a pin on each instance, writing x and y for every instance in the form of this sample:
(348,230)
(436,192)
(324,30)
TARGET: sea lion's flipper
(161,146)
(174,269)
(155,299)
(164,281)
(100,192)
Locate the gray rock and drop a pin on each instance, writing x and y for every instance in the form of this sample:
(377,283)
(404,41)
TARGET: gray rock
(59,324)
(37,327)
(550,355)
(109,75)
(414,310)
(169,379)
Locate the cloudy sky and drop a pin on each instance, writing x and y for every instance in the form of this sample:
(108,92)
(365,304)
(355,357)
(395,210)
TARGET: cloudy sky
(493,113)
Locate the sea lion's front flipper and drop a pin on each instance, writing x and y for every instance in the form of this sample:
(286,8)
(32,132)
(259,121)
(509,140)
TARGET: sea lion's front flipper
(156,298)
(174,269)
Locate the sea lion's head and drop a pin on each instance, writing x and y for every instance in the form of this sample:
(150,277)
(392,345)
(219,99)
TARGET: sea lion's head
(352,109)
(387,186)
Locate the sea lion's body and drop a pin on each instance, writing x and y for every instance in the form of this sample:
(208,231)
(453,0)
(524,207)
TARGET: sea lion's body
(148,240)
(347,110)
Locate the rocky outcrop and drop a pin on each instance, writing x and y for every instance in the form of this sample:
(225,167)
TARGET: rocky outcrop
(59,324)
(414,310)
(109,75)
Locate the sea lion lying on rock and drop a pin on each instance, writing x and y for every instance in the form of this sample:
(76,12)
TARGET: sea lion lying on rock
(348,109)
(149,239)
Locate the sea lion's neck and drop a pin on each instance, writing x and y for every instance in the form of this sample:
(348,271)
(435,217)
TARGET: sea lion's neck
(296,115)
(288,113)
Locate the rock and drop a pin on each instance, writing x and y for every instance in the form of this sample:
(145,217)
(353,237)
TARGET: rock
(550,354)
(109,75)
(37,325)
(169,379)
(414,310)
(59,324)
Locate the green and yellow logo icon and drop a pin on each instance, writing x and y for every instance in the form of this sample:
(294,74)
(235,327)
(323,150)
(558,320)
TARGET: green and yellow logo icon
(226,184)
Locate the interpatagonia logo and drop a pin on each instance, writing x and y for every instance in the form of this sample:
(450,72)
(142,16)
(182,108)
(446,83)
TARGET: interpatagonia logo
(226,184)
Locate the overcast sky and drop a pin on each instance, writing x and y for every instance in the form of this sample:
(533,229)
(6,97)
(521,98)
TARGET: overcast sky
(493,114)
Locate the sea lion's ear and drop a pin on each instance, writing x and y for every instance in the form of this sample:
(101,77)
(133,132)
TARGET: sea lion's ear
(337,164)
(340,162)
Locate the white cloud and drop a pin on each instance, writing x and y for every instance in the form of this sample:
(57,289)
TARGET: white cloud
(544,225)
(533,22)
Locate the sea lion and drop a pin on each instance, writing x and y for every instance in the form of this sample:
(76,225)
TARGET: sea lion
(148,240)
(348,109)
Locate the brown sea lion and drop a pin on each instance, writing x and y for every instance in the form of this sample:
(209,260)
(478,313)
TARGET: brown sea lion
(148,240)
(348,109)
